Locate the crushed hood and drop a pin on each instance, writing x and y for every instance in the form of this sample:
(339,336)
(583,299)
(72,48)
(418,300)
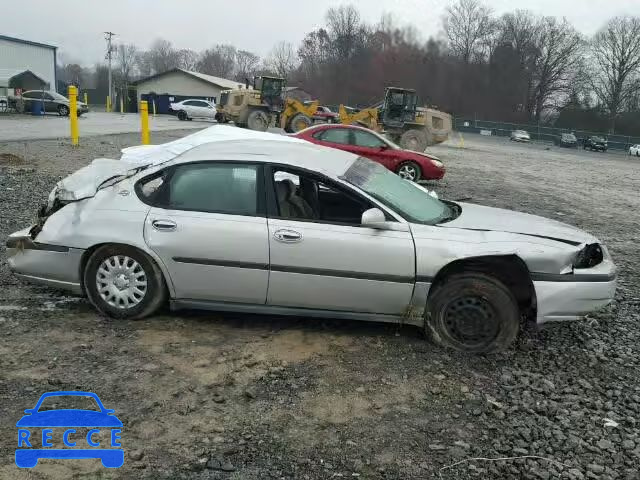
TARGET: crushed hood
(477,217)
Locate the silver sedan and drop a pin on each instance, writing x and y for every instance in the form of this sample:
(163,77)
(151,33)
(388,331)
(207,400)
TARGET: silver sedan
(286,227)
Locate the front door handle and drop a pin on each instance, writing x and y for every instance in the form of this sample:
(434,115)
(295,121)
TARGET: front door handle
(164,225)
(287,236)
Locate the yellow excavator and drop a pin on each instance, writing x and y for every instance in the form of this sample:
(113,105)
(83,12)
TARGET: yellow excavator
(399,117)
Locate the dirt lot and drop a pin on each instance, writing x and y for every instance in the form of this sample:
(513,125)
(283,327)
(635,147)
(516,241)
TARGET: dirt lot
(244,397)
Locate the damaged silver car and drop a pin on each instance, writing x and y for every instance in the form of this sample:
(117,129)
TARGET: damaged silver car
(283,227)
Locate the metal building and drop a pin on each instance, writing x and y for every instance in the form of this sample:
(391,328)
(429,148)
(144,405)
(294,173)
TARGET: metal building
(184,83)
(18,56)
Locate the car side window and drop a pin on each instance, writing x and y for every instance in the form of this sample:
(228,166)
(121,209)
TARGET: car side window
(213,187)
(46,96)
(201,104)
(303,196)
(336,135)
(28,95)
(190,103)
(366,139)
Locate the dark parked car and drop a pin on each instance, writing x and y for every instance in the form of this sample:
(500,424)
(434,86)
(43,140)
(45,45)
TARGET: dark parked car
(568,140)
(595,143)
(53,102)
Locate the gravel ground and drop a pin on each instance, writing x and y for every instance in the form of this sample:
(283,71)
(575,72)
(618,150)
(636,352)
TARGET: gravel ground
(245,397)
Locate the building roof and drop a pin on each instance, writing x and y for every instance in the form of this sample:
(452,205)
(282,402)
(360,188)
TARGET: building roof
(26,42)
(6,74)
(217,81)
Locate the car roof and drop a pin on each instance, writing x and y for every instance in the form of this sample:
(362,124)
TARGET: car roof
(329,161)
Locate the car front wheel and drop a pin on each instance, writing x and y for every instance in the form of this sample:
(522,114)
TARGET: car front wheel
(472,312)
(410,171)
(63,110)
(182,115)
(123,282)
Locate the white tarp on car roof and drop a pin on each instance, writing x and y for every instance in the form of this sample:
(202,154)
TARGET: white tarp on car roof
(155,154)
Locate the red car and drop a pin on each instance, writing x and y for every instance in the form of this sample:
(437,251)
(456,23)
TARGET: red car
(366,143)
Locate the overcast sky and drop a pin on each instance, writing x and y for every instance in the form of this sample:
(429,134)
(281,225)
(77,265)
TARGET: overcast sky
(76,26)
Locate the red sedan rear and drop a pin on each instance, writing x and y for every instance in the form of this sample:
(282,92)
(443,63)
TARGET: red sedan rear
(411,165)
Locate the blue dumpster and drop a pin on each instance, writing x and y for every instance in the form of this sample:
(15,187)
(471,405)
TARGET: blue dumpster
(37,107)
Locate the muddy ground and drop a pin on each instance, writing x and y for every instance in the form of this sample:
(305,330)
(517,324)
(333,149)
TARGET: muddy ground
(209,396)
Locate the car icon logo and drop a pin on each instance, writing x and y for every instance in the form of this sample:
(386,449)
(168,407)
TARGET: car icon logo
(41,429)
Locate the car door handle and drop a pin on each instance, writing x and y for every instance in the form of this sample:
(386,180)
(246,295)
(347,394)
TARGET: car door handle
(164,225)
(287,236)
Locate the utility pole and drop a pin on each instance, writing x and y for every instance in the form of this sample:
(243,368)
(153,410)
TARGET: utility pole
(108,56)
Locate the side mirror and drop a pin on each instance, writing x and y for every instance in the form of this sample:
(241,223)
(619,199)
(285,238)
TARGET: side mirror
(384,146)
(29,410)
(373,218)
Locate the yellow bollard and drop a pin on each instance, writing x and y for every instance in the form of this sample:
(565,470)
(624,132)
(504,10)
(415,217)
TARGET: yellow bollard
(144,121)
(73,114)
(153,102)
(108,103)
(86,98)
(121,105)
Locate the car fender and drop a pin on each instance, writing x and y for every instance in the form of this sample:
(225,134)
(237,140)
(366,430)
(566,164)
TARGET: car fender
(437,247)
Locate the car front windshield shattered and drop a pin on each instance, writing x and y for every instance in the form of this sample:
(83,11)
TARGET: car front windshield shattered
(398,194)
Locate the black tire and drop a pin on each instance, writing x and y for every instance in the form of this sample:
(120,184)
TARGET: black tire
(415,140)
(410,171)
(258,120)
(299,122)
(182,115)
(155,293)
(472,312)
(63,110)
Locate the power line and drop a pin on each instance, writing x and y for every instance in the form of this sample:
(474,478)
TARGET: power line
(110,49)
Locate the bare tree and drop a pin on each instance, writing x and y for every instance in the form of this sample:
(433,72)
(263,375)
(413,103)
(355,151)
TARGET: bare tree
(345,31)
(219,61)
(468,26)
(282,59)
(163,56)
(616,57)
(247,65)
(143,63)
(72,74)
(557,63)
(188,59)
(126,55)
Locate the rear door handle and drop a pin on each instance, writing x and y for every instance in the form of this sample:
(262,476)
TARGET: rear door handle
(287,236)
(164,225)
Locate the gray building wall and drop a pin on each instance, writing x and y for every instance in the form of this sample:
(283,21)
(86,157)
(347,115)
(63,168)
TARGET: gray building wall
(23,56)
(178,83)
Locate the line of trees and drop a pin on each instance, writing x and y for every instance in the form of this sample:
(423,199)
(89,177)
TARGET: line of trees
(513,67)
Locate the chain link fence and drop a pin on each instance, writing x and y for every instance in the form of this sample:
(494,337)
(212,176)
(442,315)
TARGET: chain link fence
(539,132)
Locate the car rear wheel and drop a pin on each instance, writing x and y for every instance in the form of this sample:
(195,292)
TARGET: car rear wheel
(410,171)
(182,115)
(63,110)
(472,312)
(123,282)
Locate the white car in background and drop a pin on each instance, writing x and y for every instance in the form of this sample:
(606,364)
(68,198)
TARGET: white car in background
(520,136)
(194,108)
(635,150)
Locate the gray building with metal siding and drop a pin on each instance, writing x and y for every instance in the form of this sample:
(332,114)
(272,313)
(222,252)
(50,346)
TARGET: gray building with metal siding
(21,55)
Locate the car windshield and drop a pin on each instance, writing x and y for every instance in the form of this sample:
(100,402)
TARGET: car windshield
(57,96)
(598,139)
(67,402)
(400,195)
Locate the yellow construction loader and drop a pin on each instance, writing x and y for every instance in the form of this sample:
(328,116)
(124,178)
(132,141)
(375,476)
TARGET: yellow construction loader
(263,106)
(399,117)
